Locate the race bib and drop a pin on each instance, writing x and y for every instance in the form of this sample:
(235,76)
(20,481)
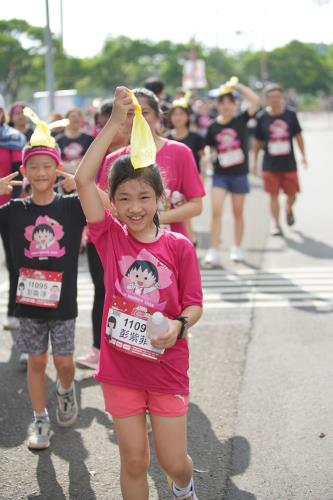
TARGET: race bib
(126,329)
(39,288)
(279,148)
(231,158)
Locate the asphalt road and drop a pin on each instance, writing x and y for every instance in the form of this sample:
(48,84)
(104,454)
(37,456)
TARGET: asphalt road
(261,367)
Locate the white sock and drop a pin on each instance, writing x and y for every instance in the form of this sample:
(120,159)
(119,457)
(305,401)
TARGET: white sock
(179,492)
(41,416)
(62,391)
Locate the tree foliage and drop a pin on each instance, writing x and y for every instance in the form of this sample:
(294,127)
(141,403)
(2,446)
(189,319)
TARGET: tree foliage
(308,68)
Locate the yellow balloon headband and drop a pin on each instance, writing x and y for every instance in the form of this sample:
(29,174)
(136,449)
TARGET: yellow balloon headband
(42,133)
(143,148)
(182,102)
(229,86)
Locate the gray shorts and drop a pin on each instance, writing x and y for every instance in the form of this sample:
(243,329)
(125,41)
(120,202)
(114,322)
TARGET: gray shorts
(33,336)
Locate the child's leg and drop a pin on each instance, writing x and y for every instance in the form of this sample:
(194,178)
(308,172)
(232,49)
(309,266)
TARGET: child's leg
(65,369)
(134,456)
(170,441)
(36,380)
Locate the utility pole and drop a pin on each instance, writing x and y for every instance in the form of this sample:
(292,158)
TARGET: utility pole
(49,62)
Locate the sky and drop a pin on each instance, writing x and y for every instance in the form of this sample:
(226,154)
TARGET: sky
(231,24)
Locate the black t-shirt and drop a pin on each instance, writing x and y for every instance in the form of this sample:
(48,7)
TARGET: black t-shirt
(230,141)
(46,238)
(276,133)
(194,141)
(73,149)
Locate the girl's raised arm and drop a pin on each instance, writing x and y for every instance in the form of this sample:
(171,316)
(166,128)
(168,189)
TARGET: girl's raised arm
(86,173)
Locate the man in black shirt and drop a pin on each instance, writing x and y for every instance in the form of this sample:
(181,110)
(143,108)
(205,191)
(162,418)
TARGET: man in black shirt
(276,127)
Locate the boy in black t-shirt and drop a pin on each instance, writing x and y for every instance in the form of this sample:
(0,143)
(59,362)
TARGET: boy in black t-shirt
(275,130)
(44,233)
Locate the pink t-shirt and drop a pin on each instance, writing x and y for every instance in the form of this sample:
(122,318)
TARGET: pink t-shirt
(174,283)
(178,168)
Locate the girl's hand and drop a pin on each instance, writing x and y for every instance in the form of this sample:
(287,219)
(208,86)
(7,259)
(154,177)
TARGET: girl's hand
(68,183)
(169,338)
(121,105)
(7,183)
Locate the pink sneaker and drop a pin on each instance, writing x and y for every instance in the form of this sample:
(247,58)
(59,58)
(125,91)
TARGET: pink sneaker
(90,360)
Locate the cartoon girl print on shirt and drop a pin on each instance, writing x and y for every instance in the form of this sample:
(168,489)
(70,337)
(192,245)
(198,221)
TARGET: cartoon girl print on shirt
(278,143)
(229,148)
(143,278)
(43,238)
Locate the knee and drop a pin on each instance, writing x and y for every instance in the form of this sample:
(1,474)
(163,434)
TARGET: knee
(136,465)
(37,363)
(64,364)
(176,467)
(238,214)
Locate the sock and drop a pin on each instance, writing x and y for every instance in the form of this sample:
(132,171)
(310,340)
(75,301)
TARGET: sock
(41,416)
(62,391)
(179,492)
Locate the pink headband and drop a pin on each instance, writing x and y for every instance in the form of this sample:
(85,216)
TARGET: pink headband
(40,150)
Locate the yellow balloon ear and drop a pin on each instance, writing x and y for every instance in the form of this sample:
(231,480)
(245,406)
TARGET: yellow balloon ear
(143,148)
(41,135)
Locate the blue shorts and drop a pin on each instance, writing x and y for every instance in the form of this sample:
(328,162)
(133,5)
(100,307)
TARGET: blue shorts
(237,184)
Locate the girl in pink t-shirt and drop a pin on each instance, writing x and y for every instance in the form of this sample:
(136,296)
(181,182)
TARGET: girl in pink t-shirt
(146,269)
(184,188)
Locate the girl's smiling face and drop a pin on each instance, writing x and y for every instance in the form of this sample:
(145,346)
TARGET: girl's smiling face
(136,204)
(142,279)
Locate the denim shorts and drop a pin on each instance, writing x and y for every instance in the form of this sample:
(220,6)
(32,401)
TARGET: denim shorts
(33,336)
(237,184)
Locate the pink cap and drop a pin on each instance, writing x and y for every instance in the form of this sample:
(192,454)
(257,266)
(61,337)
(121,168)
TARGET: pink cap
(40,150)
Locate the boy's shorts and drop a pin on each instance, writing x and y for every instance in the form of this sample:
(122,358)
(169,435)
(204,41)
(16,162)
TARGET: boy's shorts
(236,184)
(285,181)
(122,402)
(33,336)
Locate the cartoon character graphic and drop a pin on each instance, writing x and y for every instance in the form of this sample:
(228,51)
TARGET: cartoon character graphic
(279,142)
(20,289)
(279,129)
(112,323)
(229,148)
(43,237)
(54,293)
(143,278)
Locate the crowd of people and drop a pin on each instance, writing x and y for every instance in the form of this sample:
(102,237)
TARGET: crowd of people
(66,188)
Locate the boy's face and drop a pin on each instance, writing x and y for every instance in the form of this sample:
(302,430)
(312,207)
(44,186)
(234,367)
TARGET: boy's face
(40,170)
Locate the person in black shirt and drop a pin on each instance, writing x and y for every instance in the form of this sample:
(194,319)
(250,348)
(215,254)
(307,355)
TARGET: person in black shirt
(180,119)
(44,232)
(73,142)
(276,127)
(227,136)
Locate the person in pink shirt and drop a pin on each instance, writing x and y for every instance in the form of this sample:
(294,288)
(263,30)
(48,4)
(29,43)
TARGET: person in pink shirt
(184,188)
(146,269)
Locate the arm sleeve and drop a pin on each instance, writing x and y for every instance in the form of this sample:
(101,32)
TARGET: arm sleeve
(210,140)
(4,217)
(191,184)
(189,280)
(297,129)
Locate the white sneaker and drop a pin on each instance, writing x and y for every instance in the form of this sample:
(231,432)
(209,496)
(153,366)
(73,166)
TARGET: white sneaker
(68,409)
(213,258)
(276,231)
(11,323)
(236,254)
(39,438)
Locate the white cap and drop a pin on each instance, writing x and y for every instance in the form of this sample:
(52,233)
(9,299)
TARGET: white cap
(2,102)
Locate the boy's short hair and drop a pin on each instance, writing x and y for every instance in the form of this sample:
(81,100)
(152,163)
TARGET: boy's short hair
(272,87)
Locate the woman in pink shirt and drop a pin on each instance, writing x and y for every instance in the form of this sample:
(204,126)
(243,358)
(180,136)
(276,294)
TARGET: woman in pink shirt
(184,188)
(147,269)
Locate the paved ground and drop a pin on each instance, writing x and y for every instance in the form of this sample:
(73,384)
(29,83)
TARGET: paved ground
(260,369)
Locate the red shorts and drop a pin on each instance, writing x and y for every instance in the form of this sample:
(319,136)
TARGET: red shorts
(122,402)
(285,181)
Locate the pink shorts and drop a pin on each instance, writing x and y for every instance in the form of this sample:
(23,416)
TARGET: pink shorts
(122,402)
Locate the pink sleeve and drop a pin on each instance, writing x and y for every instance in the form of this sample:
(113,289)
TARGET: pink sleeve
(98,233)
(191,184)
(108,161)
(190,289)
(16,156)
